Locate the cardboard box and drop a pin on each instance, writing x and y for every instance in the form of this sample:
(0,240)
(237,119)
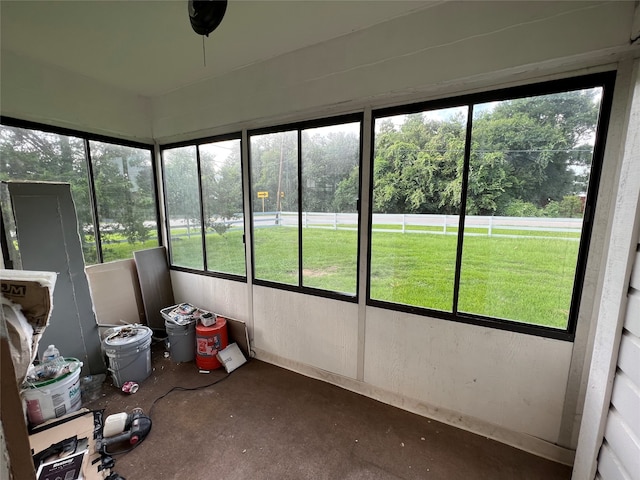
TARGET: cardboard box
(86,461)
(33,292)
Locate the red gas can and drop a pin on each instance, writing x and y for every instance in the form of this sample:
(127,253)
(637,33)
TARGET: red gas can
(209,341)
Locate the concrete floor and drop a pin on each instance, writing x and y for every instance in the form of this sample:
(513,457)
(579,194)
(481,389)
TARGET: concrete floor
(265,422)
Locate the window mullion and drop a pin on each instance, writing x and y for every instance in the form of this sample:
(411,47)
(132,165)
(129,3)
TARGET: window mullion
(463,208)
(203,230)
(299,208)
(165,202)
(93,201)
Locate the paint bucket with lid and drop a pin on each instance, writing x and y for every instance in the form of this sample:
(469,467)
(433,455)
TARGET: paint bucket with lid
(209,341)
(129,353)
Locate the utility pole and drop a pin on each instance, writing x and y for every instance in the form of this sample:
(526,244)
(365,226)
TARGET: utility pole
(278,197)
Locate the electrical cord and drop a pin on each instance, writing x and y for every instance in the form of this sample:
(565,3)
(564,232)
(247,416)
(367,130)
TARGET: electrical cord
(186,389)
(173,389)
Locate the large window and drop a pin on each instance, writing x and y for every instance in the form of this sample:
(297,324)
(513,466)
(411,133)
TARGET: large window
(482,209)
(304,196)
(274,192)
(182,202)
(126,200)
(203,197)
(416,210)
(121,185)
(223,208)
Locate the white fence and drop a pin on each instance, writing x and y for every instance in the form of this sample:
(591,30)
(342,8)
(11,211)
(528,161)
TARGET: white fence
(432,224)
(415,223)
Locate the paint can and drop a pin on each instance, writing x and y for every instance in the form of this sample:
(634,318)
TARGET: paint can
(55,397)
(130,387)
(209,341)
(129,354)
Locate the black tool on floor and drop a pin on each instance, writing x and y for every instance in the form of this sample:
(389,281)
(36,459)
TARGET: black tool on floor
(61,449)
(136,428)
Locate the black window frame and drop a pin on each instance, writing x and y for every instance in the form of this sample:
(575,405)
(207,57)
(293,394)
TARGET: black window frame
(197,143)
(299,127)
(87,137)
(605,80)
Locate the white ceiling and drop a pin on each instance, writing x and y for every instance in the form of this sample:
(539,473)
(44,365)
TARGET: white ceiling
(149,48)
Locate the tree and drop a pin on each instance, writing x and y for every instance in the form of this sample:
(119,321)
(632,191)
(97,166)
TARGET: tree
(538,139)
(346,196)
(221,188)
(181,187)
(523,151)
(181,182)
(123,180)
(32,155)
(569,207)
(122,177)
(274,169)
(418,166)
(327,159)
(520,208)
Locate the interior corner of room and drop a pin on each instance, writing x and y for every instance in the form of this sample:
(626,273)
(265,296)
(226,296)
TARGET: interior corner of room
(393,198)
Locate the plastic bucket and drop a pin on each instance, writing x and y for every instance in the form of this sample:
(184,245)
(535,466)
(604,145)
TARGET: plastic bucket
(91,387)
(53,398)
(129,354)
(182,341)
(209,341)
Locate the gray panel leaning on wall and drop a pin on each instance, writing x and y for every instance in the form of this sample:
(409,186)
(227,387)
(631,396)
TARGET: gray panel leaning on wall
(155,284)
(48,240)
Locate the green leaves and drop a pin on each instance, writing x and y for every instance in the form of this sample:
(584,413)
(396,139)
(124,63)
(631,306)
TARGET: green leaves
(418,166)
(532,150)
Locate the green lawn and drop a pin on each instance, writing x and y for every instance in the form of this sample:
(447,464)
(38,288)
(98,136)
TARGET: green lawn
(124,249)
(525,278)
(117,248)
(528,280)
(225,253)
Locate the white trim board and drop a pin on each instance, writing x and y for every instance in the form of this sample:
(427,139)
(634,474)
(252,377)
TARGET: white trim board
(617,263)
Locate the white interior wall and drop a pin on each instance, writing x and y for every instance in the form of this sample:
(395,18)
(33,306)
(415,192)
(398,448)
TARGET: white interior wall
(508,379)
(223,297)
(305,329)
(46,94)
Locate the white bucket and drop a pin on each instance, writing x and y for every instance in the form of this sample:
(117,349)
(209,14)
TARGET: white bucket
(53,398)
